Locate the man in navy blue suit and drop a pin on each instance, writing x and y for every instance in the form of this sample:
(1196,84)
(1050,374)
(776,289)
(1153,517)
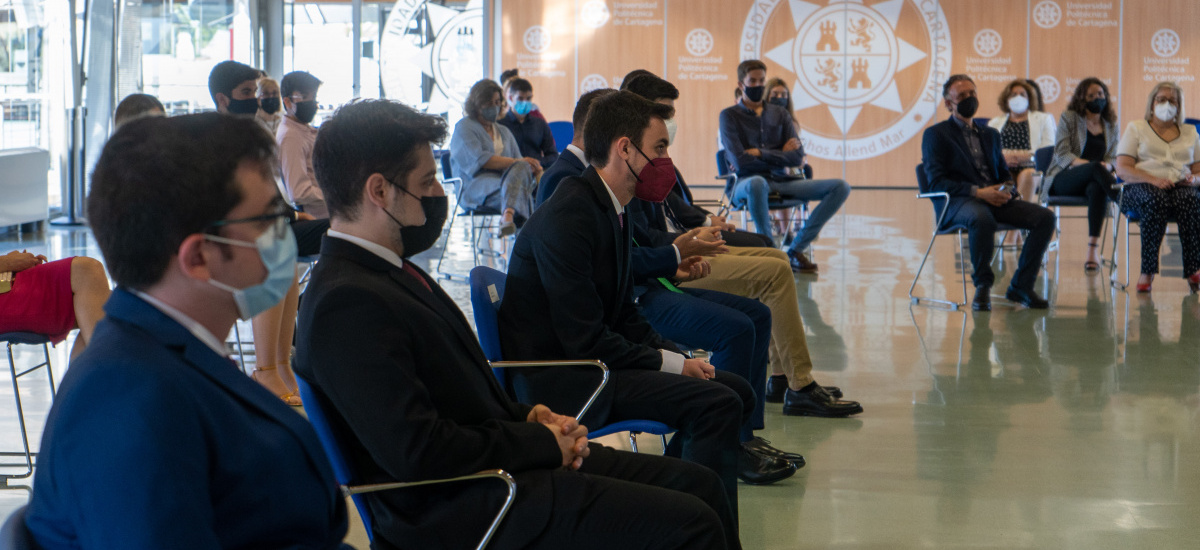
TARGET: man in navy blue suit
(965,160)
(156,439)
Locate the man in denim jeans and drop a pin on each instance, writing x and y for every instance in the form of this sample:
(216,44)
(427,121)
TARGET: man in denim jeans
(761,145)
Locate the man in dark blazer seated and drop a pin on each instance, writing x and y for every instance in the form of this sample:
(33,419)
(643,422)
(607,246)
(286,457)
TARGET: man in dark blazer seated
(736,330)
(156,439)
(677,213)
(965,160)
(569,293)
(411,394)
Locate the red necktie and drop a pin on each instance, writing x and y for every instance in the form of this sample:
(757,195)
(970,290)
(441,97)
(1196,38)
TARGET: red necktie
(408,268)
(621,219)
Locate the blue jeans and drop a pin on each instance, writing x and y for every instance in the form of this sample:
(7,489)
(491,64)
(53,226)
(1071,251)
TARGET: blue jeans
(735,330)
(754,190)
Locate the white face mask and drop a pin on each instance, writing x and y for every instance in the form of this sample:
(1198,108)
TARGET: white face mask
(1165,111)
(1018,104)
(671,128)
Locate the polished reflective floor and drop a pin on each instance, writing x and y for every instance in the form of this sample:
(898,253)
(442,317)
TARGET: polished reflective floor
(1069,428)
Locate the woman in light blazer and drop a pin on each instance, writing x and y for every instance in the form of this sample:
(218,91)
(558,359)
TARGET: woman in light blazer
(1023,130)
(487,158)
(1084,157)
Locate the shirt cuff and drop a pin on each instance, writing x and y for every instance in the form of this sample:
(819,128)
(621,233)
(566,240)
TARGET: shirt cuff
(671,362)
(707,222)
(678,260)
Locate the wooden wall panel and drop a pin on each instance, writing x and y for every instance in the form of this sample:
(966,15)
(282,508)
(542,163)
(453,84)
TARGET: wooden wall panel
(866,75)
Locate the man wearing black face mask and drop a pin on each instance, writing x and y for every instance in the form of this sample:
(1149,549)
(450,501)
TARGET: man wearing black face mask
(965,159)
(232,86)
(295,138)
(408,388)
(762,145)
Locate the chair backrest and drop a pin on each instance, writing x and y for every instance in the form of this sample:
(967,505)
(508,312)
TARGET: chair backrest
(15,535)
(1042,158)
(981,121)
(447,171)
(563,131)
(1194,122)
(487,290)
(314,408)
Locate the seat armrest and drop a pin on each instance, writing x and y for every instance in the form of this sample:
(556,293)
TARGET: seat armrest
(565,363)
(501,475)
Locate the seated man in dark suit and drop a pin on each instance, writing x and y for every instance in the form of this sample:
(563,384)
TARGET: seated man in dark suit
(571,162)
(409,389)
(965,160)
(735,329)
(156,439)
(569,293)
(677,214)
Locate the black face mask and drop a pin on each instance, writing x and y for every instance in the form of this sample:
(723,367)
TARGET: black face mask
(780,101)
(306,111)
(967,107)
(418,238)
(269,105)
(1096,106)
(243,106)
(754,94)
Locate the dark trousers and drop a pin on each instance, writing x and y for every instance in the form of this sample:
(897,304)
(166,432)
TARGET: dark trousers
(707,415)
(1091,180)
(308,236)
(980,219)
(1154,207)
(626,500)
(735,330)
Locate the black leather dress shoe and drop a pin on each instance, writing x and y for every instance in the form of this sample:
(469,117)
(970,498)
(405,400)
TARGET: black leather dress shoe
(777,386)
(983,299)
(762,447)
(756,469)
(1027,298)
(813,400)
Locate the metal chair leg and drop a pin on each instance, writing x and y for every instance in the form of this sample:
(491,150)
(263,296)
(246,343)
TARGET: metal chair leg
(924,259)
(633,441)
(26,451)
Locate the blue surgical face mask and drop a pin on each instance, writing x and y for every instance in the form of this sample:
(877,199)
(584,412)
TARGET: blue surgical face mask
(277,250)
(522,108)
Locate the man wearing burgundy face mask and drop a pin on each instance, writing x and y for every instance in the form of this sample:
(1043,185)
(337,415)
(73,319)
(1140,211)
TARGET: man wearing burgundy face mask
(965,159)
(569,293)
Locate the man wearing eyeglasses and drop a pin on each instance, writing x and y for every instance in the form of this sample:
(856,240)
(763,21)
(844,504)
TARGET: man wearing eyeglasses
(156,439)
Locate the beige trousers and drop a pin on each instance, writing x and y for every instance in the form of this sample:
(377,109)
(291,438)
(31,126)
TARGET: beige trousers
(765,274)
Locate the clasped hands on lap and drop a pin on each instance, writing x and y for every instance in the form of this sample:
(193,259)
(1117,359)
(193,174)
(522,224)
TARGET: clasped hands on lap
(995,195)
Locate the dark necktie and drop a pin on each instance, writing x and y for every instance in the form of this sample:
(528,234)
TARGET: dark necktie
(408,268)
(621,219)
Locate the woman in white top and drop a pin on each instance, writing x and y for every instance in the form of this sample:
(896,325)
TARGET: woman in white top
(1023,130)
(1159,158)
(269,104)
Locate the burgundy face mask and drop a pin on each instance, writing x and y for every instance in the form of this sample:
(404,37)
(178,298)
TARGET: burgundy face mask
(656,179)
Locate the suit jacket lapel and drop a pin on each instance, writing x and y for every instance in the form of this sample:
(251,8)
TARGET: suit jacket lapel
(621,238)
(126,307)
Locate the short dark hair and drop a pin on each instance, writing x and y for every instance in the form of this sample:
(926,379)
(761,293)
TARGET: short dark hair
(298,81)
(519,84)
(748,65)
(579,117)
(364,137)
(954,78)
(481,93)
(161,179)
(653,88)
(632,75)
(509,75)
(226,76)
(136,106)
(618,115)
(1079,99)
